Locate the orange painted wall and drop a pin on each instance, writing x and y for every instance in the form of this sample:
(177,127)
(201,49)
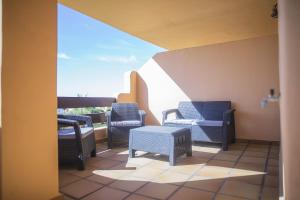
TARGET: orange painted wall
(241,71)
(0,95)
(29,139)
(129,95)
(289,68)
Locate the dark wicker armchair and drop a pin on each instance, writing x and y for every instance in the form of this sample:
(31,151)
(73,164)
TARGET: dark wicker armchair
(76,139)
(122,118)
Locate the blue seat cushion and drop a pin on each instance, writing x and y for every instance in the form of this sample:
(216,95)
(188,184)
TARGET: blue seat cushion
(126,123)
(182,121)
(69,133)
(210,123)
(193,122)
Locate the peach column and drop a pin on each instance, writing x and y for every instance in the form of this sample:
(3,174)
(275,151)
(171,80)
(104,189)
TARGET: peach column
(29,140)
(289,68)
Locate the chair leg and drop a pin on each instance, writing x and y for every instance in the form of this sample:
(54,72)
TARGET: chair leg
(172,159)
(80,165)
(224,146)
(93,153)
(131,153)
(109,144)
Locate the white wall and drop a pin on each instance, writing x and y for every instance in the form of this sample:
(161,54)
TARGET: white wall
(241,71)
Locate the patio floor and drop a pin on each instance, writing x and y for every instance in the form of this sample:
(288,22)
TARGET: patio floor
(249,170)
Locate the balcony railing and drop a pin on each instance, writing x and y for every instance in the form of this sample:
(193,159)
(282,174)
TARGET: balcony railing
(87,102)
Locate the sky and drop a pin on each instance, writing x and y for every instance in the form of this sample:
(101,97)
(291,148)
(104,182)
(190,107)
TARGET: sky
(93,56)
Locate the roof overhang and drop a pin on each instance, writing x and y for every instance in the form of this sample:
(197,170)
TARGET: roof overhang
(175,24)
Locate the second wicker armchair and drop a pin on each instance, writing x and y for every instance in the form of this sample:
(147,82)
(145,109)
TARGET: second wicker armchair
(122,118)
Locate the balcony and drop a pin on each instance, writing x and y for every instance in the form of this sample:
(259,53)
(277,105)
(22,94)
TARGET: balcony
(216,51)
(249,170)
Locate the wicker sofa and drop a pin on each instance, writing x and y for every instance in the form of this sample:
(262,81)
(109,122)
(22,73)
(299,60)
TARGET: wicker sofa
(76,139)
(122,118)
(209,121)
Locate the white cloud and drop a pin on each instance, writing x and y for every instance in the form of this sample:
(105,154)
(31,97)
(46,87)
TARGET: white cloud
(118,59)
(63,56)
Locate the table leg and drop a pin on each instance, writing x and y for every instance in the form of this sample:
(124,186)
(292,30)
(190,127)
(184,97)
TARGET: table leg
(131,153)
(172,159)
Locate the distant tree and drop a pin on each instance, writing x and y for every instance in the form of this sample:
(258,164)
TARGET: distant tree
(89,110)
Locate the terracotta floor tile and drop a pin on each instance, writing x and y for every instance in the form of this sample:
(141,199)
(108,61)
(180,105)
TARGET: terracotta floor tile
(171,178)
(66,178)
(273,162)
(138,197)
(188,169)
(80,188)
(249,176)
(255,154)
(158,164)
(147,173)
(157,190)
(123,166)
(120,150)
(106,153)
(240,189)
(227,197)
(191,160)
(272,181)
(113,173)
(119,157)
(273,171)
(191,194)
(243,141)
(129,184)
(214,172)
(107,193)
(206,149)
(105,164)
(101,147)
(226,157)
(101,179)
(257,149)
(204,183)
(220,163)
(274,155)
(240,142)
(261,144)
(270,193)
(233,152)
(252,160)
(139,161)
(200,154)
(83,173)
(275,149)
(236,147)
(250,166)
(254,179)
(93,160)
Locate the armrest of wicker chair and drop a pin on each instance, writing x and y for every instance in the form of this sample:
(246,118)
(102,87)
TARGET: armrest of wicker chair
(73,123)
(142,114)
(80,118)
(108,118)
(76,126)
(167,112)
(228,128)
(228,116)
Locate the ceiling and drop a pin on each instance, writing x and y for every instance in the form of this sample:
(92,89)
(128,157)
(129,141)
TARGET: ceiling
(176,24)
